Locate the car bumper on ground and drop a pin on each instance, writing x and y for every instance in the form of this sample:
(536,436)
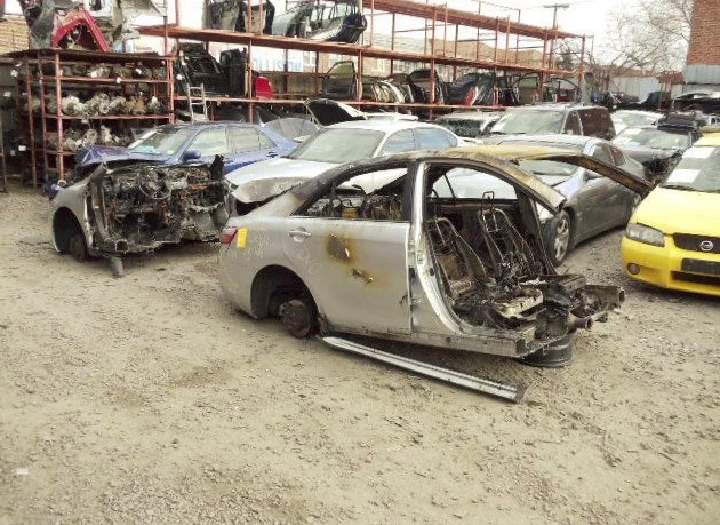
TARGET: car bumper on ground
(671,267)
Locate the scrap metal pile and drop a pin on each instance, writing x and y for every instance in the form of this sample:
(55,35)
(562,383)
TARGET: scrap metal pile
(77,138)
(98,25)
(330,20)
(499,281)
(101,104)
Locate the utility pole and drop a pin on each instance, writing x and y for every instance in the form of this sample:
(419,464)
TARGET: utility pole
(555,8)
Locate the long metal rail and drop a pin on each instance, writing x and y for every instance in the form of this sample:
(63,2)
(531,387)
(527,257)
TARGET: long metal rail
(470,382)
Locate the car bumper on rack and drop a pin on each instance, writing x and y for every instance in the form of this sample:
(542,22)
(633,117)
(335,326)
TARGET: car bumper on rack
(671,267)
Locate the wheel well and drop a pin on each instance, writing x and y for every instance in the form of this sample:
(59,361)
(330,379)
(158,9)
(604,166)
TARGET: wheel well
(65,224)
(272,286)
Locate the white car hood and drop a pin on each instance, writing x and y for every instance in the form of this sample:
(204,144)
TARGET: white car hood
(259,181)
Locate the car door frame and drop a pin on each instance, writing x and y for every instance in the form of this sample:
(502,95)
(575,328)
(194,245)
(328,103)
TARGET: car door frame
(339,256)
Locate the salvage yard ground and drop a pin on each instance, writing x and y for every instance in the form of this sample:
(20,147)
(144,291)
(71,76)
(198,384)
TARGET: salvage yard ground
(146,400)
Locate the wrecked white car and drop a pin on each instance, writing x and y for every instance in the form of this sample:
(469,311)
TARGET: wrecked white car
(402,263)
(138,207)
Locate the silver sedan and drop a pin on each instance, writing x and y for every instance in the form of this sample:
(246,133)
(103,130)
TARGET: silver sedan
(400,262)
(593,204)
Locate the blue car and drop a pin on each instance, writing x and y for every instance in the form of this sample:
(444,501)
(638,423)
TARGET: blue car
(239,143)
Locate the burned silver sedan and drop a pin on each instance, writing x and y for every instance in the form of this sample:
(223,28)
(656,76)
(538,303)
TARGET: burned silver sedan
(344,254)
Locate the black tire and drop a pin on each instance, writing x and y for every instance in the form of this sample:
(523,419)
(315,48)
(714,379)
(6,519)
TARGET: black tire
(559,237)
(78,247)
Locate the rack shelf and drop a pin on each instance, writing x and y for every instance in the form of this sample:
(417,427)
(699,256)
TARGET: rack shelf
(111,117)
(438,52)
(49,85)
(88,80)
(296,44)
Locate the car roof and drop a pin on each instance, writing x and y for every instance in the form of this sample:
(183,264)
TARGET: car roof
(494,156)
(574,141)
(386,125)
(661,129)
(638,112)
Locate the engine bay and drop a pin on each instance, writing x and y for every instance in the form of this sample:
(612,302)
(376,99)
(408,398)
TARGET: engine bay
(139,208)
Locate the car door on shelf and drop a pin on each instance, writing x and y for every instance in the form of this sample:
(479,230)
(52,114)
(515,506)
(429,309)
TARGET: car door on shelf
(350,248)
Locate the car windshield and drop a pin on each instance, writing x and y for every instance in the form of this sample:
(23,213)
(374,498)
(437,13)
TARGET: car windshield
(530,122)
(698,170)
(339,145)
(549,170)
(165,141)
(652,138)
(631,118)
(464,127)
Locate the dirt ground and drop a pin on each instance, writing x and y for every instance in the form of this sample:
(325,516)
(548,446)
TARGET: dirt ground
(147,400)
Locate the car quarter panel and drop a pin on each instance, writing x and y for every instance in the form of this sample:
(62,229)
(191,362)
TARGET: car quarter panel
(256,245)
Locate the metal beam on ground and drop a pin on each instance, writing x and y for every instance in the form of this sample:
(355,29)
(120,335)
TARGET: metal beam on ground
(470,382)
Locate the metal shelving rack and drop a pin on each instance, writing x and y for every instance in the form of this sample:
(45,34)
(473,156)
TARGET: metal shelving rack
(435,17)
(55,85)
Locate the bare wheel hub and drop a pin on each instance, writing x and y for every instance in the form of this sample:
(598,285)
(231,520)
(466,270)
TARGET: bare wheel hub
(297,317)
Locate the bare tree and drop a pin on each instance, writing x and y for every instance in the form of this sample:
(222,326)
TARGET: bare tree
(649,34)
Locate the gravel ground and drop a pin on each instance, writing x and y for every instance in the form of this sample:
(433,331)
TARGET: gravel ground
(147,400)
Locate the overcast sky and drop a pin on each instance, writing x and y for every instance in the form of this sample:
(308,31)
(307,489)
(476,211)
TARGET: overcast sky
(590,17)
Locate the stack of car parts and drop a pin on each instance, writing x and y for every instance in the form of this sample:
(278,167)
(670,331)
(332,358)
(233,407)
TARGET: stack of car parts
(336,20)
(236,15)
(198,67)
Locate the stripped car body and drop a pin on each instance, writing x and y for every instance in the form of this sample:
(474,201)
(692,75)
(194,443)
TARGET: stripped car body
(138,208)
(401,263)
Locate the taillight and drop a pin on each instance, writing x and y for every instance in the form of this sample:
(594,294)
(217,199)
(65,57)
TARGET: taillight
(228,234)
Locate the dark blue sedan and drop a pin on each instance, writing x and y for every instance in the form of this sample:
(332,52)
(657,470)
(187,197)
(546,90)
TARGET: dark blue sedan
(239,143)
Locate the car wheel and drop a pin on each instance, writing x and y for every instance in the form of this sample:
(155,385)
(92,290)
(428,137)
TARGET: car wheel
(78,247)
(559,239)
(298,316)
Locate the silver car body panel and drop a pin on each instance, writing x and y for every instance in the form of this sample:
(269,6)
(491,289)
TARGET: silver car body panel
(73,198)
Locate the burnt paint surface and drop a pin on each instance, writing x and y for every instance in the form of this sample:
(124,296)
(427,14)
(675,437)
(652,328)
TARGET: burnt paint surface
(339,248)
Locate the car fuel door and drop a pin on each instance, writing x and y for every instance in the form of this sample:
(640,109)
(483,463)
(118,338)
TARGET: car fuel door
(350,249)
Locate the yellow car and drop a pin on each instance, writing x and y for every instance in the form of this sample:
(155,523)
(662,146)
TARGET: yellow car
(673,239)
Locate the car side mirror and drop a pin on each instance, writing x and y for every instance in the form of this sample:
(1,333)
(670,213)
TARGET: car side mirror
(192,155)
